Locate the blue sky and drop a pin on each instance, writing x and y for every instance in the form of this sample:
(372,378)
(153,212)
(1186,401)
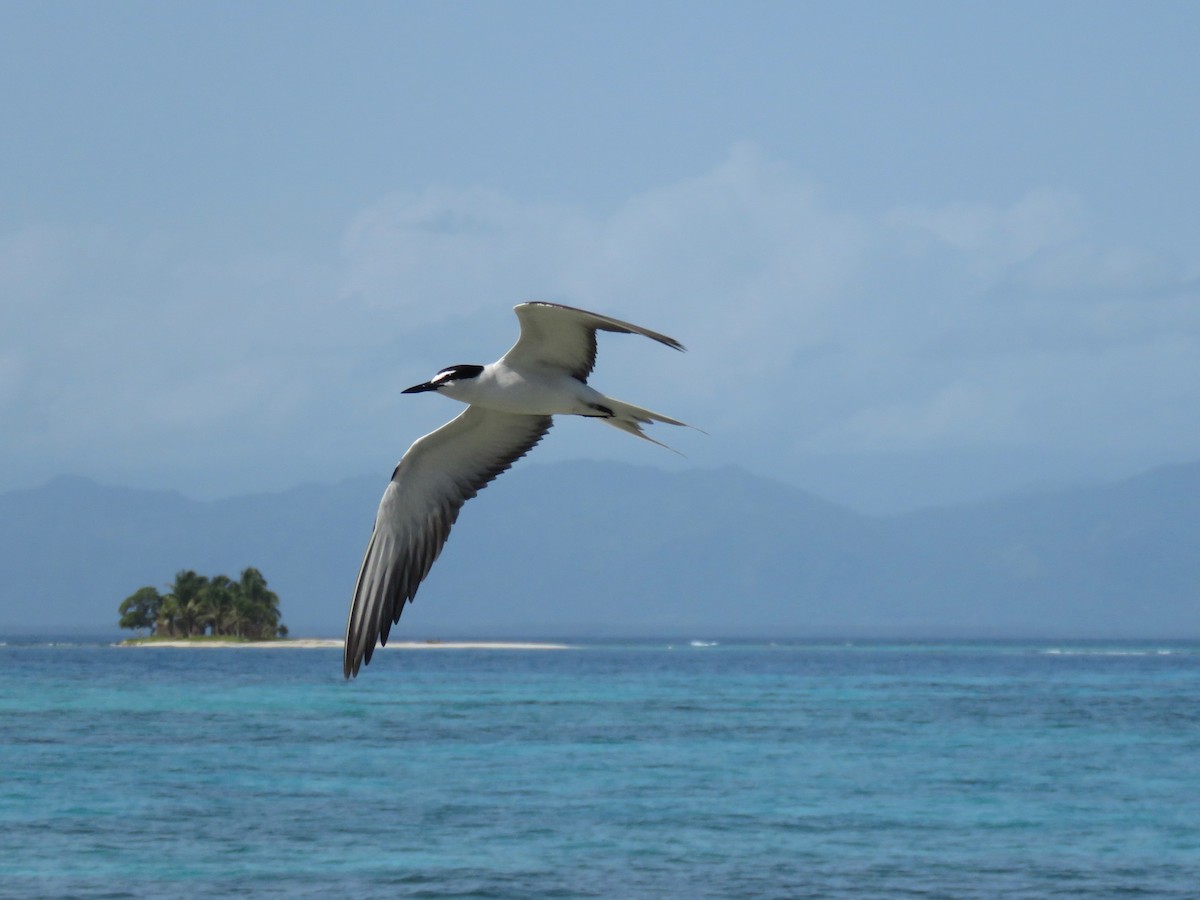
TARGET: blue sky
(919,252)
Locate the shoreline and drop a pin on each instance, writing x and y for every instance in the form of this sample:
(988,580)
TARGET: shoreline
(334,643)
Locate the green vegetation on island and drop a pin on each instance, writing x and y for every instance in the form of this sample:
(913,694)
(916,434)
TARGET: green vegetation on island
(197,606)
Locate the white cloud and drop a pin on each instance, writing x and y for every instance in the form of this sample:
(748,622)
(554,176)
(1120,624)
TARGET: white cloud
(743,260)
(953,415)
(445,253)
(991,239)
(813,331)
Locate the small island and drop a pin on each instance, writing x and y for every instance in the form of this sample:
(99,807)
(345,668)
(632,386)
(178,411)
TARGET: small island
(201,609)
(198,611)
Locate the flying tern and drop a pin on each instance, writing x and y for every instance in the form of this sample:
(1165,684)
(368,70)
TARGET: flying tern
(510,405)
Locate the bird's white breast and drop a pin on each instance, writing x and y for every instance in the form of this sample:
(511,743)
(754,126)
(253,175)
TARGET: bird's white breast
(541,393)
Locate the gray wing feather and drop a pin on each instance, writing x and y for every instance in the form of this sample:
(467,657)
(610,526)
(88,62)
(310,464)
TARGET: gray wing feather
(565,337)
(438,474)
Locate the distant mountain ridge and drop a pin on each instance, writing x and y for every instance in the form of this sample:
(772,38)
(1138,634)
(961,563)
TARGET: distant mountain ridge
(609,550)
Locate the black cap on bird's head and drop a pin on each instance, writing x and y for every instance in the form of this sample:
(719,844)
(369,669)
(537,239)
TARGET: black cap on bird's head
(444,377)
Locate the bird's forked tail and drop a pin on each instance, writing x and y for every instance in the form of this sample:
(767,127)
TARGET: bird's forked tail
(630,418)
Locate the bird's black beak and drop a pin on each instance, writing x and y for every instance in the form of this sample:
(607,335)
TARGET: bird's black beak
(420,388)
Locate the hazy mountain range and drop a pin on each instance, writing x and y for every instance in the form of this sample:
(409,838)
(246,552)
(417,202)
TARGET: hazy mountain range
(606,550)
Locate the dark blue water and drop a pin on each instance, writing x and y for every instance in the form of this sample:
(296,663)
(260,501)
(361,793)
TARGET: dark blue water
(605,771)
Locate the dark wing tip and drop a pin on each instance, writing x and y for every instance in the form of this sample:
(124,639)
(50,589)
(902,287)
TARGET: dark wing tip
(673,344)
(356,653)
(350,662)
(361,640)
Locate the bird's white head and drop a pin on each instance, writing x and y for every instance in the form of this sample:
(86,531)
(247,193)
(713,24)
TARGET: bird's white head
(448,377)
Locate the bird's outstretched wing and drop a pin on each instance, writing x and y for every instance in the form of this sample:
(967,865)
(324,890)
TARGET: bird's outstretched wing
(565,337)
(438,474)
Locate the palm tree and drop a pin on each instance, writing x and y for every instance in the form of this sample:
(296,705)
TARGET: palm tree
(198,605)
(215,598)
(187,620)
(262,604)
(236,617)
(168,617)
(191,612)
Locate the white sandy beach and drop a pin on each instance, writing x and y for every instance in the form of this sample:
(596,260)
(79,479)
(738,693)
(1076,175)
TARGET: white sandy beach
(325,643)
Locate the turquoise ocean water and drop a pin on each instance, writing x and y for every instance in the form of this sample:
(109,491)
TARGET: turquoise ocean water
(648,770)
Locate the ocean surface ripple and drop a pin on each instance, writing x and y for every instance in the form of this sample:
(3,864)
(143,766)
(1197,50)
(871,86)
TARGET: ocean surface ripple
(644,770)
